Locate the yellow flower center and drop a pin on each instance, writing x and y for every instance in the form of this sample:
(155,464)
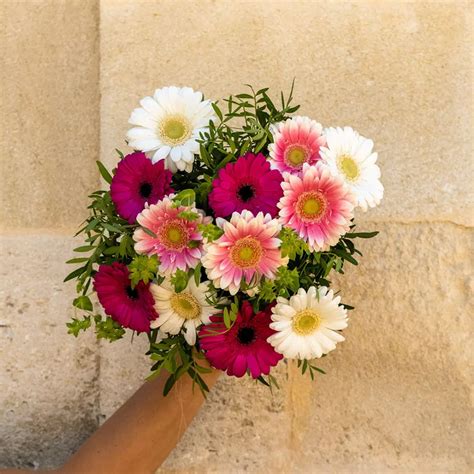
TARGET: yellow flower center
(174,130)
(306,322)
(185,305)
(174,235)
(246,252)
(349,167)
(311,206)
(296,155)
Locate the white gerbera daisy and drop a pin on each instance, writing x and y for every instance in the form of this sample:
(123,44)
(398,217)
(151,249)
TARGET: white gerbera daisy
(349,155)
(187,309)
(306,326)
(168,126)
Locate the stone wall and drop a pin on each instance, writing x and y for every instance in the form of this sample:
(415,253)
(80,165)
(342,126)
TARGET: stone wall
(396,396)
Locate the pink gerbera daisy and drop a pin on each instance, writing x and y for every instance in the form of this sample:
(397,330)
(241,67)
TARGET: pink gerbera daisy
(244,346)
(295,142)
(138,181)
(248,250)
(250,184)
(177,241)
(317,205)
(130,307)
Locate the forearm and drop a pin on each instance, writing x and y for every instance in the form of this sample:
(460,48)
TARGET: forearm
(141,434)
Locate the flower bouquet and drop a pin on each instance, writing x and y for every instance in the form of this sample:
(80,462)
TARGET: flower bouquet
(219,232)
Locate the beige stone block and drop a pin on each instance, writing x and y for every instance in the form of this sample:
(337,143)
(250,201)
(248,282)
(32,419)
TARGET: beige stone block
(49,104)
(396,396)
(49,392)
(399,72)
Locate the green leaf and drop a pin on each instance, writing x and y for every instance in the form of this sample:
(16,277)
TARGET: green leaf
(169,384)
(78,260)
(83,302)
(263,381)
(75,273)
(77,325)
(189,215)
(227,320)
(112,228)
(180,280)
(103,171)
(84,248)
(217,110)
(197,274)
(108,329)
(361,235)
(187,197)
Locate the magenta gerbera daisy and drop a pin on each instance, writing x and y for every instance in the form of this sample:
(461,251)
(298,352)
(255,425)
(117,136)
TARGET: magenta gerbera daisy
(317,205)
(250,184)
(130,307)
(295,142)
(138,181)
(248,250)
(176,240)
(244,346)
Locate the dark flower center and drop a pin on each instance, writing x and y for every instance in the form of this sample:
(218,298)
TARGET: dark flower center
(145,189)
(132,293)
(246,192)
(246,335)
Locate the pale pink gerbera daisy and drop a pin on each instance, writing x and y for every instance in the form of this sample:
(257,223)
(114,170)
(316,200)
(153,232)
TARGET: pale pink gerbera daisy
(317,205)
(295,142)
(177,241)
(248,250)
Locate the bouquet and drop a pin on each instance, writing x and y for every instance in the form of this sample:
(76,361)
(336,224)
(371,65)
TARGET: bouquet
(218,234)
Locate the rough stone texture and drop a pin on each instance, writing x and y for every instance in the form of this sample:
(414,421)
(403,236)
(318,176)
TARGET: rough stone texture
(396,397)
(49,104)
(397,393)
(49,380)
(398,72)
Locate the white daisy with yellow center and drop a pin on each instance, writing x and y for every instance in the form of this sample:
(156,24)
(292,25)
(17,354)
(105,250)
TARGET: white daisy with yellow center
(349,155)
(184,311)
(307,324)
(168,125)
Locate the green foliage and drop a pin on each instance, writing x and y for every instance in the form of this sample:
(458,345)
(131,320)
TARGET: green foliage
(108,329)
(307,366)
(186,197)
(269,382)
(180,280)
(77,325)
(143,268)
(291,245)
(244,126)
(177,358)
(104,328)
(210,232)
(107,237)
(267,292)
(230,313)
(285,284)
(83,302)
(189,215)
